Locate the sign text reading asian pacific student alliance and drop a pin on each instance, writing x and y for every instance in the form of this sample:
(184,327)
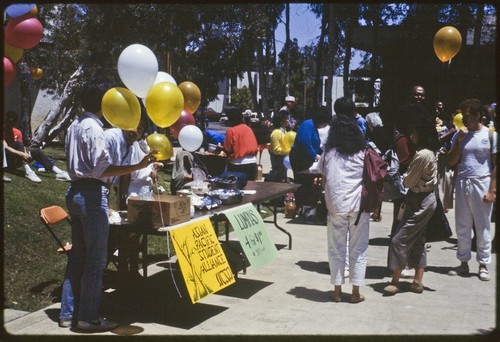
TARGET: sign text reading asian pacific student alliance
(252,233)
(203,263)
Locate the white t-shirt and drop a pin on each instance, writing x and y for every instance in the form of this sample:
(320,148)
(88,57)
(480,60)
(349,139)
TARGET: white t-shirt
(344,176)
(323,135)
(140,180)
(475,154)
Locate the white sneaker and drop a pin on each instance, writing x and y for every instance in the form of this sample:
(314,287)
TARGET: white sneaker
(33,177)
(484,274)
(6,179)
(407,273)
(63,176)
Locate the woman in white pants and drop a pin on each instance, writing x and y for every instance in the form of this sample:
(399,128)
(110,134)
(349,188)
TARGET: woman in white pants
(341,167)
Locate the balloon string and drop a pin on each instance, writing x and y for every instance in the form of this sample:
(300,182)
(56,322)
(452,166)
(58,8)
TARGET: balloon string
(199,161)
(441,80)
(168,237)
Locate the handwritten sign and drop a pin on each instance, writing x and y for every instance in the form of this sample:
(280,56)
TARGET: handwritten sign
(252,233)
(203,263)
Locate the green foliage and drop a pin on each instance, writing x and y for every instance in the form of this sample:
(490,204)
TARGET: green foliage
(241,98)
(33,270)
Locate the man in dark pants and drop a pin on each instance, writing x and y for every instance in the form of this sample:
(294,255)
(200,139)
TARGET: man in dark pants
(87,201)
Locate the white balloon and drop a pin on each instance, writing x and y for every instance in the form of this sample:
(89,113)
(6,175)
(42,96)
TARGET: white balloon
(190,138)
(138,68)
(286,162)
(162,76)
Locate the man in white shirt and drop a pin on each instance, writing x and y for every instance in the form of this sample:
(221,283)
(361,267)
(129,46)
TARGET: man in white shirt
(87,201)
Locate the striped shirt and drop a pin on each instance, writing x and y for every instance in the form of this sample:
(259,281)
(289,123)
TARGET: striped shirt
(421,175)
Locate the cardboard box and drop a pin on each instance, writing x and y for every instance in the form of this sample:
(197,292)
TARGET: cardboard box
(173,209)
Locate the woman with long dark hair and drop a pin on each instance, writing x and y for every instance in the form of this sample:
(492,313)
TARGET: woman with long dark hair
(341,166)
(408,244)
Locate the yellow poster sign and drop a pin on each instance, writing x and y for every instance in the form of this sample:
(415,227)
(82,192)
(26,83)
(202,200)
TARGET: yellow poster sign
(203,263)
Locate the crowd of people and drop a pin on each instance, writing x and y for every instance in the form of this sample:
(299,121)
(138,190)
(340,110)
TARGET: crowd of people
(328,148)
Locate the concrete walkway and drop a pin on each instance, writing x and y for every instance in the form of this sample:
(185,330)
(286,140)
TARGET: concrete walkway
(292,296)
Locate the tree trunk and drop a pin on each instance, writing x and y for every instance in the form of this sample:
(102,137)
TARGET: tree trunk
(264,77)
(287,46)
(376,22)
(41,134)
(317,100)
(24,123)
(331,48)
(273,77)
(476,51)
(348,44)
(252,88)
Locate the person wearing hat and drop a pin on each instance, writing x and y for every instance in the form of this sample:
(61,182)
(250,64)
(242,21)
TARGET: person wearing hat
(290,104)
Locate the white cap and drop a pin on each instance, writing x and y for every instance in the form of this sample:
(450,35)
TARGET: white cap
(290,99)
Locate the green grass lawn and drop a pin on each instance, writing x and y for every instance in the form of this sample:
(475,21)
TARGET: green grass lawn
(33,270)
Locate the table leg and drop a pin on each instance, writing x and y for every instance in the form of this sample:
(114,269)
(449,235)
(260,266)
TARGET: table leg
(144,249)
(275,221)
(122,266)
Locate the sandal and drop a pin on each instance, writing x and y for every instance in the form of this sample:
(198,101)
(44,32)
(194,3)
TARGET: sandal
(359,299)
(417,287)
(391,290)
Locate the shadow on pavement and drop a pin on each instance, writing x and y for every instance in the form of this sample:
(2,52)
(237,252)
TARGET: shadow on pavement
(156,300)
(311,294)
(376,272)
(321,267)
(379,241)
(244,288)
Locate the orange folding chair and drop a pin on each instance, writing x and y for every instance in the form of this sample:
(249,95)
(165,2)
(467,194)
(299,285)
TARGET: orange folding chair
(52,216)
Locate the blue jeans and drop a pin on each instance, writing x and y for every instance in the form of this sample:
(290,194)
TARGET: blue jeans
(87,202)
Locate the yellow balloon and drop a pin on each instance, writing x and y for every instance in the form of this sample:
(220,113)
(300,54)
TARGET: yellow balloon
(36,73)
(457,121)
(447,42)
(121,108)
(13,53)
(289,139)
(160,143)
(164,104)
(192,96)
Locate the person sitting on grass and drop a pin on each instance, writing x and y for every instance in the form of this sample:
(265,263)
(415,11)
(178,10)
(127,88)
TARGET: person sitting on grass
(17,154)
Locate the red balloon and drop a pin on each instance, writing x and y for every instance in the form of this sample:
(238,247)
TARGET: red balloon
(9,69)
(185,119)
(23,34)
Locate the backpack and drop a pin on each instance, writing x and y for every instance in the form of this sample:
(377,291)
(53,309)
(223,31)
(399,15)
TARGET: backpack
(374,172)
(393,182)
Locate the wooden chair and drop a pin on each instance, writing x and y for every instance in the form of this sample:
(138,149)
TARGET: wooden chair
(53,216)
